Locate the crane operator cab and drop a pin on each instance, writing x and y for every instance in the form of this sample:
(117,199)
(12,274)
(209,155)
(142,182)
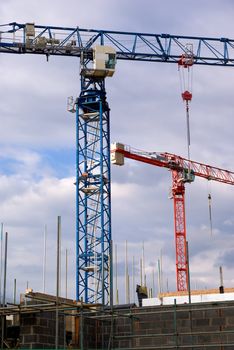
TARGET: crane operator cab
(188,175)
(103,64)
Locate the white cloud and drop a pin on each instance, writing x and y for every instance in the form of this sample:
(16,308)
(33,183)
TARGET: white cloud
(25,210)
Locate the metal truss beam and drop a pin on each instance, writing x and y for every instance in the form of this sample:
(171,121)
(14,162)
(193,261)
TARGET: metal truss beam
(65,41)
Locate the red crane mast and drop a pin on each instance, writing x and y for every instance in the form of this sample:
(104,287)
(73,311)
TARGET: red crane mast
(183,171)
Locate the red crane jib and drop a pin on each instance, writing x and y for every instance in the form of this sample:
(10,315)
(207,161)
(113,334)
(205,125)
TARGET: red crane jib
(175,162)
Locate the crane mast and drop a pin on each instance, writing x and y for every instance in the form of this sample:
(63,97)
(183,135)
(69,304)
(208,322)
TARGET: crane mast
(93,197)
(93,226)
(183,171)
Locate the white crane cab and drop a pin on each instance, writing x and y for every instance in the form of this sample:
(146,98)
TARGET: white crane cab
(104,61)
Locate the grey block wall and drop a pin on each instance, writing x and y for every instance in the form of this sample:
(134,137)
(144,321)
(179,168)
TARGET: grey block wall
(37,331)
(199,326)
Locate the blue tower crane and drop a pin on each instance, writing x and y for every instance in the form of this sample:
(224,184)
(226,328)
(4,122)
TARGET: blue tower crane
(98,51)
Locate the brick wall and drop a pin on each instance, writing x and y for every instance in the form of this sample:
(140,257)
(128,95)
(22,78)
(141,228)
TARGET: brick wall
(37,331)
(199,326)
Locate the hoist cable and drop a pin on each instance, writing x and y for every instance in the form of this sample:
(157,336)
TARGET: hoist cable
(188,129)
(181,84)
(186,79)
(210,208)
(210,214)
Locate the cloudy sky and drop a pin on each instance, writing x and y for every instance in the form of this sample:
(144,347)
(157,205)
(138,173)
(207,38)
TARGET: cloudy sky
(37,143)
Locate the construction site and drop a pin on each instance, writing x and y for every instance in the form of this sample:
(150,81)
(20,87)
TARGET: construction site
(122,302)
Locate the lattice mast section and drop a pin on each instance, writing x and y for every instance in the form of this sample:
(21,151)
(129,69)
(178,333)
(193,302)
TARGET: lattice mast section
(178,192)
(93,190)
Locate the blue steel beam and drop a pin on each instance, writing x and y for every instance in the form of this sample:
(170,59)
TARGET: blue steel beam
(93,217)
(129,45)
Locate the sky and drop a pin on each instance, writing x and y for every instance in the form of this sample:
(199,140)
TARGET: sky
(37,145)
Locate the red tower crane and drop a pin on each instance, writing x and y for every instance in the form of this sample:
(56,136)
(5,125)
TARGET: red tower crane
(183,171)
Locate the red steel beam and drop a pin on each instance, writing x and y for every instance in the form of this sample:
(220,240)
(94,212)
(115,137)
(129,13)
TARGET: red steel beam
(172,161)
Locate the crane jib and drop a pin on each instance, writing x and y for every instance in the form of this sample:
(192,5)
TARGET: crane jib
(30,38)
(175,162)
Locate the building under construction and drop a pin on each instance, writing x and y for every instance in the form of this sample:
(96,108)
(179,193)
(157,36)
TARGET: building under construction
(41,321)
(93,321)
